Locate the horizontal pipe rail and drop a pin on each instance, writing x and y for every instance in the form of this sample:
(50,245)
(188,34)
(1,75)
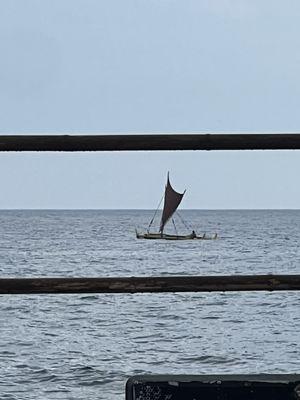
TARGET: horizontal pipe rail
(150,142)
(150,284)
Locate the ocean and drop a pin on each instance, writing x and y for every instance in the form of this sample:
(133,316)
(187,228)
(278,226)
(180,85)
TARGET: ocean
(86,346)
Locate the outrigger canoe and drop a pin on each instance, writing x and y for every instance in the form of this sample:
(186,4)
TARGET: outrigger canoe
(172,199)
(173,237)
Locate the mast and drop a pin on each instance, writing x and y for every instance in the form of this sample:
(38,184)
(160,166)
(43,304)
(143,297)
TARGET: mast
(171,202)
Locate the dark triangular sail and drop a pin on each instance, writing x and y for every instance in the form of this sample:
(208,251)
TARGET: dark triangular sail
(172,201)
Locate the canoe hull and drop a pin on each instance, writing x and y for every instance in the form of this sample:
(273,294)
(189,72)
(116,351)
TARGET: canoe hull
(164,236)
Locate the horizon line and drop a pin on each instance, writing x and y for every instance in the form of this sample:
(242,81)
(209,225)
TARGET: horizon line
(148,209)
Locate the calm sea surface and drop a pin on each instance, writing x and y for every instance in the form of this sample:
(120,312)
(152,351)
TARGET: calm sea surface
(85,346)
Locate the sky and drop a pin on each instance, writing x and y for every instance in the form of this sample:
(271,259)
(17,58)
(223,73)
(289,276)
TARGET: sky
(149,66)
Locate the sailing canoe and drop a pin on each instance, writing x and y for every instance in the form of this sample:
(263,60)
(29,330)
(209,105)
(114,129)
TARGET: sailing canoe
(172,199)
(173,237)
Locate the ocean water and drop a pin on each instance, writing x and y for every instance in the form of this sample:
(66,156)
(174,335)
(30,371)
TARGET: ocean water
(86,346)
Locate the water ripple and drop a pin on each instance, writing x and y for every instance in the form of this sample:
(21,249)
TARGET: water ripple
(85,346)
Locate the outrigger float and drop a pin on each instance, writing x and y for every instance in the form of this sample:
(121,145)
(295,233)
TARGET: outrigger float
(172,199)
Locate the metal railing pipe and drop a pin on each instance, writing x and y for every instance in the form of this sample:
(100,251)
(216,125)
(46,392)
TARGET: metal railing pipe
(150,284)
(150,142)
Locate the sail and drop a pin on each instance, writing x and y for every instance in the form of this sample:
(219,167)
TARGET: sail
(172,201)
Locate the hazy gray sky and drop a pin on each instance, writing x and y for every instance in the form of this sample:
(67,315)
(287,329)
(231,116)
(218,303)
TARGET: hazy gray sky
(70,66)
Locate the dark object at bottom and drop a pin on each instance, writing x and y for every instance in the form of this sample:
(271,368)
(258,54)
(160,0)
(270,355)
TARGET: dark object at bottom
(213,387)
